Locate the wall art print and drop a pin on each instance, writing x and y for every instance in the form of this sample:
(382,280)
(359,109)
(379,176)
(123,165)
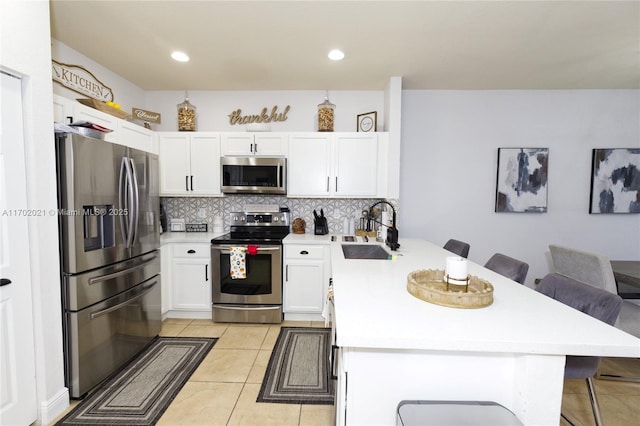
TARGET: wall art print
(615,181)
(522,180)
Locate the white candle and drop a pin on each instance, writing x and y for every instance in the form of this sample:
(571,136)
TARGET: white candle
(456,268)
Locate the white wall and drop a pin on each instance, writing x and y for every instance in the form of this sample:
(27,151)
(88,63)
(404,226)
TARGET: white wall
(450,141)
(25,51)
(214,107)
(127,94)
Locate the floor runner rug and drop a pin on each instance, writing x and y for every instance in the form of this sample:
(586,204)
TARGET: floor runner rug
(298,371)
(143,389)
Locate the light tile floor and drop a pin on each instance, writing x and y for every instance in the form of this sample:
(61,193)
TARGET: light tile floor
(224,388)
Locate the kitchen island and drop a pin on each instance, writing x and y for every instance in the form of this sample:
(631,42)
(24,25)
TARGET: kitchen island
(394,346)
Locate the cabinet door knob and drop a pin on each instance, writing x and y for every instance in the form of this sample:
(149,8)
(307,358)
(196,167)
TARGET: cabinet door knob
(304,252)
(191,251)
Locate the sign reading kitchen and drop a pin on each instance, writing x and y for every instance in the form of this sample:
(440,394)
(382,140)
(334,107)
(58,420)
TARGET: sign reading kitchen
(78,79)
(265,116)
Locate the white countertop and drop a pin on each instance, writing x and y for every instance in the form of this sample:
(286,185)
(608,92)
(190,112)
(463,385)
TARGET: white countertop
(373,309)
(188,237)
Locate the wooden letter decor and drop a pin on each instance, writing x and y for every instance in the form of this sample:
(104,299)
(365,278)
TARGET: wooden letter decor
(236,116)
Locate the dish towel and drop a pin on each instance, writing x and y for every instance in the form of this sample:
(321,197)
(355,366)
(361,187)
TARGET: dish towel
(237,263)
(326,311)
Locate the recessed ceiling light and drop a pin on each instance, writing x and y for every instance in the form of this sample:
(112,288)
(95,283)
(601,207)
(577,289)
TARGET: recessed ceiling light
(180,56)
(336,55)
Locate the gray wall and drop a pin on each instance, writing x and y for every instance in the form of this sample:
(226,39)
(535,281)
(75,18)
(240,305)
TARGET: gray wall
(450,141)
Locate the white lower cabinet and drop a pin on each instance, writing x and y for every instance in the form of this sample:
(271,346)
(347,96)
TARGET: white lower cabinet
(191,279)
(306,280)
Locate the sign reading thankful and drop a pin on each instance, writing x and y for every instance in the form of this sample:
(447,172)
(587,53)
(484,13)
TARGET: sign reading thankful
(236,116)
(81,81)
(149,116)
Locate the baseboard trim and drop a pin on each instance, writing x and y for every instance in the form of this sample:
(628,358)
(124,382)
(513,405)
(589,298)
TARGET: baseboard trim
(54,407)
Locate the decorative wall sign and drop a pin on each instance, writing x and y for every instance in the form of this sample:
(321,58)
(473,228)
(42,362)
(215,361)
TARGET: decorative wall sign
(144,115)
(236,116)
(367,122)
(78,79)
(615,181)
(522,180)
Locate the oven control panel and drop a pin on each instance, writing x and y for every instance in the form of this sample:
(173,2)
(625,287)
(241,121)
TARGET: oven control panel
(259,219)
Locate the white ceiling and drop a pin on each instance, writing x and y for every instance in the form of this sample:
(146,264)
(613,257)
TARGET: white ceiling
(283,45)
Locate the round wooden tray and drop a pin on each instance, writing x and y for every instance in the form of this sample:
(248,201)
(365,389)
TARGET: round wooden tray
(428,285)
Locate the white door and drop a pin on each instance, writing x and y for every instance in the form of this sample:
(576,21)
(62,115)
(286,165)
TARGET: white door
(17,365)
(356,166)
(174,164)
(308,165)
(205,164)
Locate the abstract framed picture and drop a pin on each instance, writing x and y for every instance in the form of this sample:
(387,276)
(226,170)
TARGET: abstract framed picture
(521,185)
(615,181)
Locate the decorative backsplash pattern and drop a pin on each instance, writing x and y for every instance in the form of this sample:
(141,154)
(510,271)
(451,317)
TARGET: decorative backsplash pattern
(336,210)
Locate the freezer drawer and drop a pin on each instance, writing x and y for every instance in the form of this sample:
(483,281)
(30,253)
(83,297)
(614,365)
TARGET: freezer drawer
(102,338)
(91,287)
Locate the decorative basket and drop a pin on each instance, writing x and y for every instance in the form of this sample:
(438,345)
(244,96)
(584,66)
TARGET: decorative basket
(429,285)
(101,106)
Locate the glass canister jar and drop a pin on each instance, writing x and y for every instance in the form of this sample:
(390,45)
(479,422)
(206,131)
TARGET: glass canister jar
(325,116)
(186,116)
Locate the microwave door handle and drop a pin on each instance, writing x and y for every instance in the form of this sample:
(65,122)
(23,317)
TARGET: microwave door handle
(136,201)
(122,199)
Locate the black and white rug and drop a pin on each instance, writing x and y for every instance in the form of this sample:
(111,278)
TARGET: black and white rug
(141,392)
(298,371)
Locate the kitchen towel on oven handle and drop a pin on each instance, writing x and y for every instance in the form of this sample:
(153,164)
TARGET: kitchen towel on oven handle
(237,263)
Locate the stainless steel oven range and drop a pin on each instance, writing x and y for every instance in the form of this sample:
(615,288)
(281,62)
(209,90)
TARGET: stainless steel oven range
(251,292)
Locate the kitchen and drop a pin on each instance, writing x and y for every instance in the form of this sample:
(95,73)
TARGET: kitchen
(490,121)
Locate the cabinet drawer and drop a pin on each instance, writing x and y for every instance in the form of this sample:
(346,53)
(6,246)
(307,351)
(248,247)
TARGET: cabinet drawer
(304,252)
(196,251)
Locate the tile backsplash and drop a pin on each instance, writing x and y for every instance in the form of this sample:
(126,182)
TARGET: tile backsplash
(205,209)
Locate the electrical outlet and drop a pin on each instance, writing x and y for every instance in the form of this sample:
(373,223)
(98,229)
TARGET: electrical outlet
(202,213)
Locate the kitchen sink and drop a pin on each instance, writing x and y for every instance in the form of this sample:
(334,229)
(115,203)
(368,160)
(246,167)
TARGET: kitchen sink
(364,251)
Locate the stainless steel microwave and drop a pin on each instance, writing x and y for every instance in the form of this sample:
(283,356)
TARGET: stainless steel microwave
(253,175)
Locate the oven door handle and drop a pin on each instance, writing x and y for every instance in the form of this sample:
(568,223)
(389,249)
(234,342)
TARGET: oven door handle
(225,249)
(247,308)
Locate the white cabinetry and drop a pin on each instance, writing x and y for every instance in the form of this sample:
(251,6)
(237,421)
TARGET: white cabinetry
(191,277)
(306,280)
(265,144)
(189,164)
(124,132)
(334,165)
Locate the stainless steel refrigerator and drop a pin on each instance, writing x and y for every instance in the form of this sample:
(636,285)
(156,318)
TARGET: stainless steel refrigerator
(108,202)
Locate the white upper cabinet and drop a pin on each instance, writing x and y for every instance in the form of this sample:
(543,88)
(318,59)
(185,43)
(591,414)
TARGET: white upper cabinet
(189,164)
(123,132)
(333,165)
(262,144)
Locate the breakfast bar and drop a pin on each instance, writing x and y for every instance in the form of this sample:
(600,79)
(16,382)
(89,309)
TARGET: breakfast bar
(393,346)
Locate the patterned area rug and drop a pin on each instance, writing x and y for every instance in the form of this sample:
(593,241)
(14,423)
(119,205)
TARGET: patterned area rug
(298,371)
(142,390)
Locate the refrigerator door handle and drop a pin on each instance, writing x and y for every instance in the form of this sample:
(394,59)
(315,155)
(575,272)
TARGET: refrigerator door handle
(122,199)
(146,289)
(130,203)
(113,275)
(136,201)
